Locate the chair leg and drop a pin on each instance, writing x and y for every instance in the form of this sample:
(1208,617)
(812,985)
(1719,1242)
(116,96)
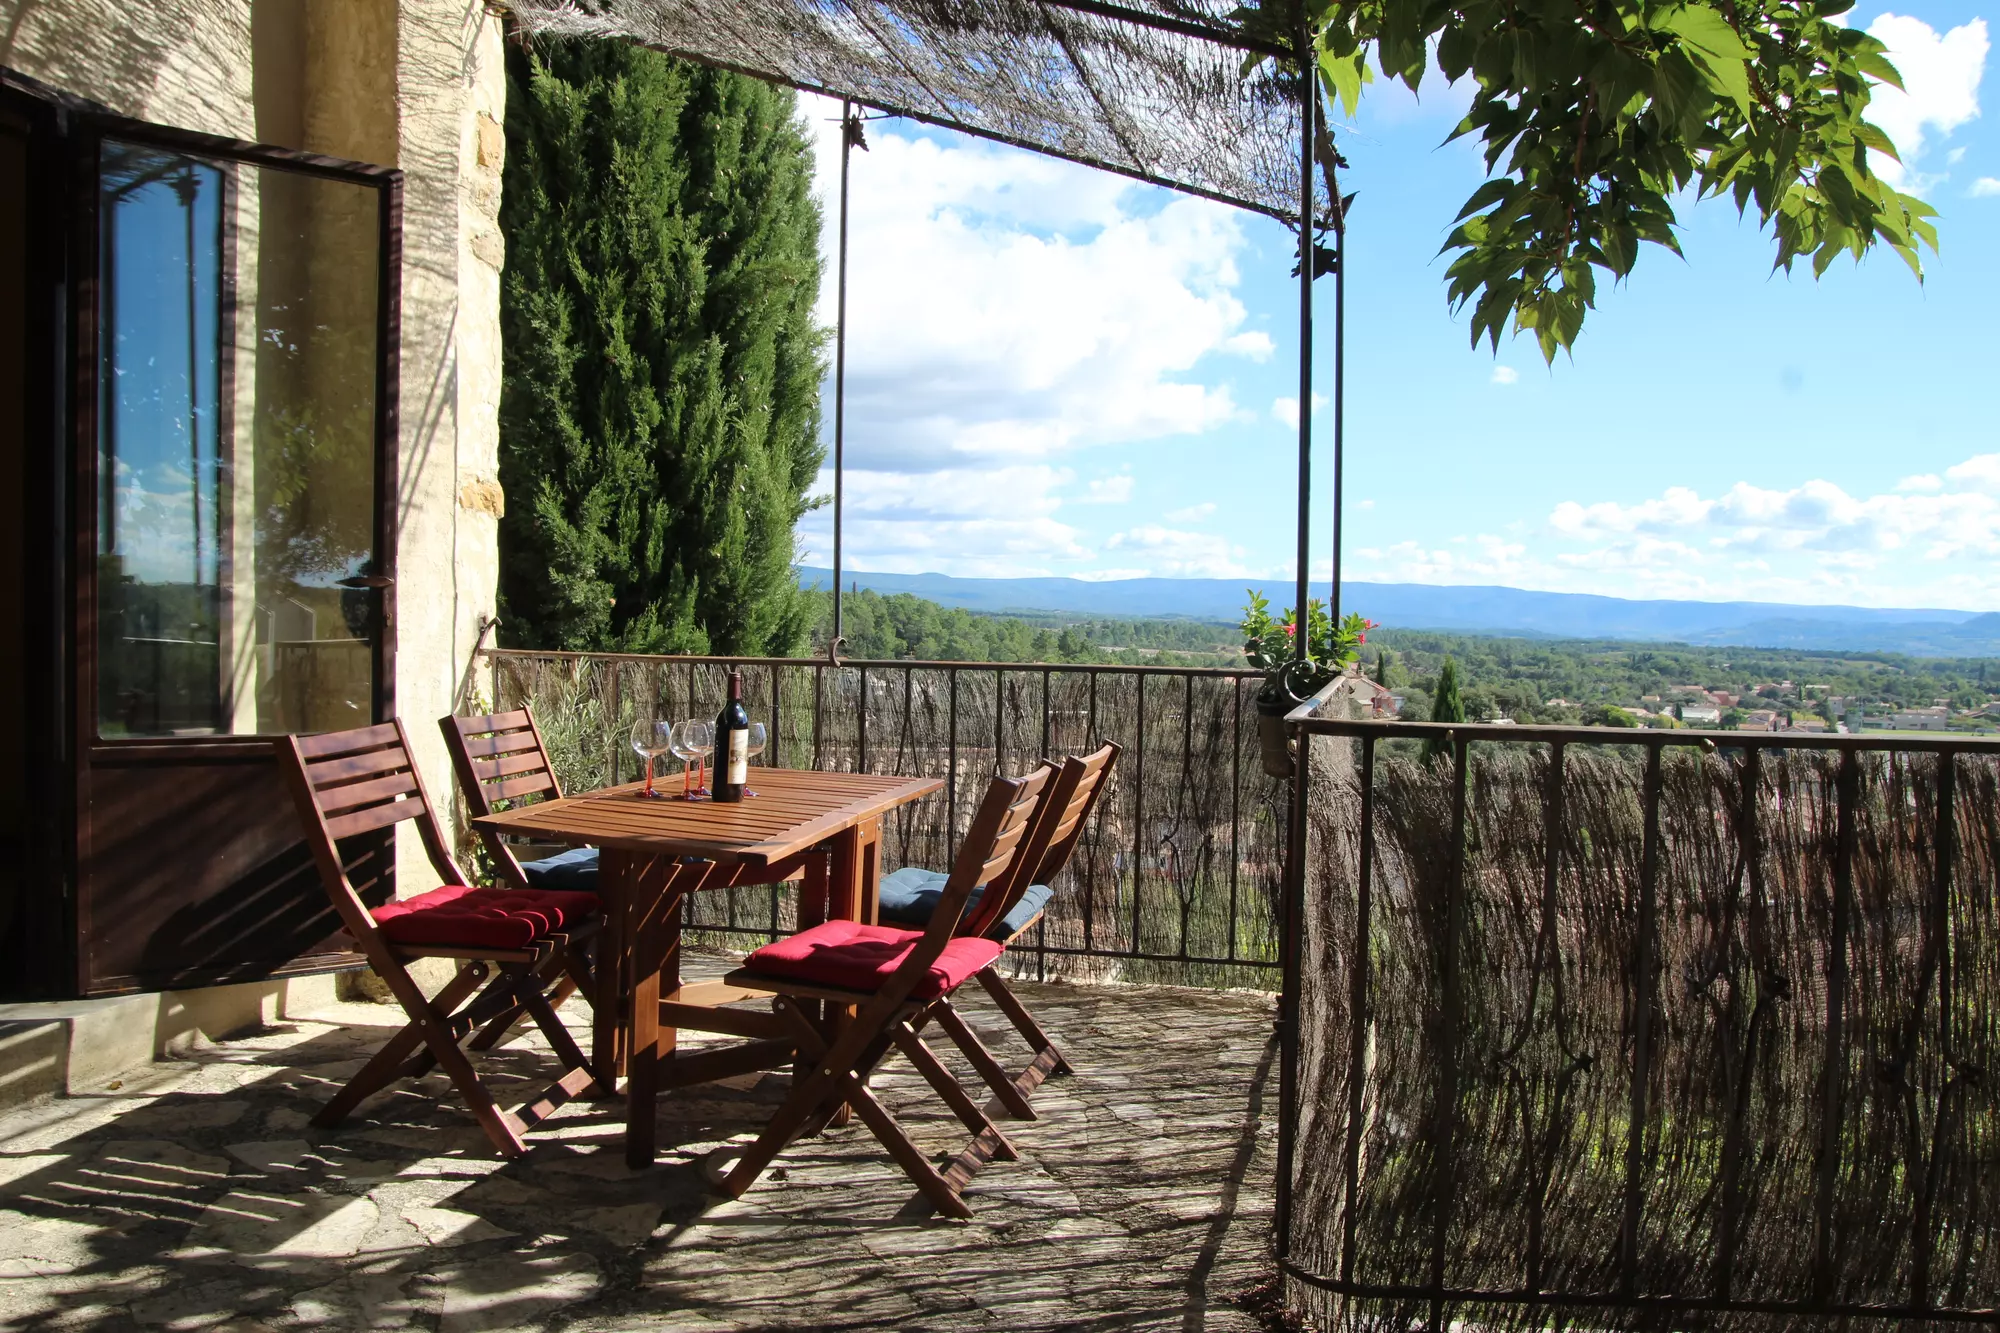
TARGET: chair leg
(926,1062)
(982,1060)
(812,1088)
(1024,1022)
(577,1078)
(502,1128)
(389,1063)
(563,974)
(908,1156)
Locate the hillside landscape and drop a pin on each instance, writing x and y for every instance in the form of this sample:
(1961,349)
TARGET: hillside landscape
(1919,631)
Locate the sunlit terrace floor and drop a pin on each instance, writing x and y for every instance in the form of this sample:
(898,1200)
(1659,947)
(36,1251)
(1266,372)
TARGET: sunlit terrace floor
(197,1196)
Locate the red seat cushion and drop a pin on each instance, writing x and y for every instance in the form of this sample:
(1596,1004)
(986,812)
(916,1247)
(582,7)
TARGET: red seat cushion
(458,916)
(852,956)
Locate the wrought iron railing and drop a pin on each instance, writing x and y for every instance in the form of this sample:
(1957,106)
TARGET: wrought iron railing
(1178,880)
(1661,1025)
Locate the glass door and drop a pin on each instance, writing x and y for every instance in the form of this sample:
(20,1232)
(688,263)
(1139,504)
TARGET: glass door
(235,428)
(237,478)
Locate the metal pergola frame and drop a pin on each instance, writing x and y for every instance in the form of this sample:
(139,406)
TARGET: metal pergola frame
(1314,145)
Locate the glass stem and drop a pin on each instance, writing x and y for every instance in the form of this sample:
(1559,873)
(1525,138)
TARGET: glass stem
(649,775)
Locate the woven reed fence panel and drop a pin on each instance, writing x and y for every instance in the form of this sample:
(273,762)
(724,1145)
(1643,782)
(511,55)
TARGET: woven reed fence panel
(1177,880)
(1503,1144)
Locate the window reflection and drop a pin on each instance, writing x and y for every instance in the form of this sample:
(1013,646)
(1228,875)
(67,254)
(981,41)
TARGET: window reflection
(236,430)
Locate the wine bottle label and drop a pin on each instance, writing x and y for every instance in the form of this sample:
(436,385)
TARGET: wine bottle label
(739,757)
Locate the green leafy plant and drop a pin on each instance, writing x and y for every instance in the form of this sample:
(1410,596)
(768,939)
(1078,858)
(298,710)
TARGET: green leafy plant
(1595,116)
(1271,645)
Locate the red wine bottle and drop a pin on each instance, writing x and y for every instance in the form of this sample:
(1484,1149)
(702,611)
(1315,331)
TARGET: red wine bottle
(732,743)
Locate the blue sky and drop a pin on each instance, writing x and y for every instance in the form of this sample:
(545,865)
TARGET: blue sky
(1055,371)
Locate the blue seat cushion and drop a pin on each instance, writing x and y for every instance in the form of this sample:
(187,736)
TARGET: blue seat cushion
(911,894)
(573,869)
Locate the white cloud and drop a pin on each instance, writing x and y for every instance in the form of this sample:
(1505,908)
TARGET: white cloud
(1007,312)
(1175,553)
(1940,90)
(1931,540)
(1365,504)
(1108,490)
(1501,374)
(1192,514)
(1986,187)
(990,522)
(1007,306)
(1286,409)
(1981,472)
(1811,542)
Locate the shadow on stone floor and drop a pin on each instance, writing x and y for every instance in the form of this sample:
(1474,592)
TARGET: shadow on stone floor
(203,1199)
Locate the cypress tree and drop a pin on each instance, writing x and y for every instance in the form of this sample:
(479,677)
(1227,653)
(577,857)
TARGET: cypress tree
(1446,706)
(659,413)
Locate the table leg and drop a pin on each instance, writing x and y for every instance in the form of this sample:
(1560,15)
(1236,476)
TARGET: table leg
(814,890)
(656,963)
(856,874)
(617,875)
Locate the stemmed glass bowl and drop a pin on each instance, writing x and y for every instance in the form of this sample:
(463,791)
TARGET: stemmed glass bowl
(651,738)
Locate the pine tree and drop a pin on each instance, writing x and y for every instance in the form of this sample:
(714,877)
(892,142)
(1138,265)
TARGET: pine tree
(659,415)
(1446,706)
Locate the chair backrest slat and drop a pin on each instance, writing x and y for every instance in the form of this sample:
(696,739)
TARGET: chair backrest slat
(348,742)
(369,792)
(511,789)
(499,757)
(368,819)
(1058,825)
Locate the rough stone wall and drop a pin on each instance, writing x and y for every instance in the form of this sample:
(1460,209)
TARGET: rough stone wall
(416,84)
(449,73)
(176,62)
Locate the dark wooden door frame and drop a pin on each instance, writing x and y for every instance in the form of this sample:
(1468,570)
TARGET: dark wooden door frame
(70,133)
(43,936)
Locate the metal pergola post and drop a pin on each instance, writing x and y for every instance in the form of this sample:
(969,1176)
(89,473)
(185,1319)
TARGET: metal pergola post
(850,134)
(1296,824)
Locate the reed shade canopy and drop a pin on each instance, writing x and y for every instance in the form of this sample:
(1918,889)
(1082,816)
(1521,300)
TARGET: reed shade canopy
(1152,89)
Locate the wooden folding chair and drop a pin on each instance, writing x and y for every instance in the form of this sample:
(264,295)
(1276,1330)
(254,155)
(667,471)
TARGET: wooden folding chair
(895,978)
(501,757)
(350,785)
(1012,907)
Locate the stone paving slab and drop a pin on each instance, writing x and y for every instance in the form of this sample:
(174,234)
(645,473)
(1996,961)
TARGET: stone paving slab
(198,1196)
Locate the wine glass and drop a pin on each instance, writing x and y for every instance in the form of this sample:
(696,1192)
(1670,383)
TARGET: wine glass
(693,739)
(757,740)
(651,738)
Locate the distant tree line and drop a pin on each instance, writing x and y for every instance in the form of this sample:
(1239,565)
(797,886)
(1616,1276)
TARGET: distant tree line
(903,625)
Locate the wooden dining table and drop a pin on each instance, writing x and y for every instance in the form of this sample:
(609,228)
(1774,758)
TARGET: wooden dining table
(823,829)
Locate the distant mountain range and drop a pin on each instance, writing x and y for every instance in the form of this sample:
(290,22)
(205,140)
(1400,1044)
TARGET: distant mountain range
(1923,632)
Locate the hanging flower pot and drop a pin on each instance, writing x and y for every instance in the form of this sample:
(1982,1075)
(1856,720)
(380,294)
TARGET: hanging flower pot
(1272,646)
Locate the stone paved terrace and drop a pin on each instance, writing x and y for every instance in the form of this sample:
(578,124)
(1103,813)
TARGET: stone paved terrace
(196,1195)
